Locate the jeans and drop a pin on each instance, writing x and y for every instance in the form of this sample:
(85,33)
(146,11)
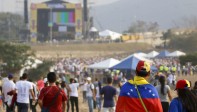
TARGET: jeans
(8,108)
(98,102)
(68,105)
(84,96)
(90,103)
(33,107)
(74,101)
(22,107)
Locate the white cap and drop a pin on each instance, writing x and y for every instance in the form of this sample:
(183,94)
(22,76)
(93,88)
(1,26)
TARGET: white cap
(89,78)
(45,80)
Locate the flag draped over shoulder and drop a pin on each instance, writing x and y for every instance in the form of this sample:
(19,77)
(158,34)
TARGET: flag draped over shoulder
(129,100)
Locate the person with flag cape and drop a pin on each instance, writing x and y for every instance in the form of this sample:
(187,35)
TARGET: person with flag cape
(138,95)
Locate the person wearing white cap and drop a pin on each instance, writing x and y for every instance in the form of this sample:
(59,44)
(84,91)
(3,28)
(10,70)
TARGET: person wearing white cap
(90,94)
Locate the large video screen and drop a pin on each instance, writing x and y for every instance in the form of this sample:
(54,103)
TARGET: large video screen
(63,18)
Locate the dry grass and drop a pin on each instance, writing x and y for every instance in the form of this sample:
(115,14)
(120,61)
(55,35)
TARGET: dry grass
(87,50)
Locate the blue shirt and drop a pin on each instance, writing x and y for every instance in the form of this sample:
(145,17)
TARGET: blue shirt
(176,106)
(109,92)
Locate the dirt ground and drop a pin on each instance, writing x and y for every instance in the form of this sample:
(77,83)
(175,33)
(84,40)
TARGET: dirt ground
(83,107)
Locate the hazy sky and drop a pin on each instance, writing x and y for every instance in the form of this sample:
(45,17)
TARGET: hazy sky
(17,5)
(117,15)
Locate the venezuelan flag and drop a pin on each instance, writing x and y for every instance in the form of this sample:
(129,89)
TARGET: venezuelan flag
(129,100)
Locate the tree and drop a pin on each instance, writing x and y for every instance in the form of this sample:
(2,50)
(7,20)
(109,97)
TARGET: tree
(167,35)
(41,70)
(142,26)
(10,26)
(13,56)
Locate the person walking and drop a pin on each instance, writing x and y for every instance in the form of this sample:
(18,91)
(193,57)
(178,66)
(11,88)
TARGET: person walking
(24,88)
(66,89)
(98,97)
(186,100)
(164,91)
(138,95)
(7,87)
(52,98)
(74,95)
(110,94)
(194,90)
(90,94)
(33,104)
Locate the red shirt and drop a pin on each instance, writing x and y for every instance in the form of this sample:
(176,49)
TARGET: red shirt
(40,84)
(48,93)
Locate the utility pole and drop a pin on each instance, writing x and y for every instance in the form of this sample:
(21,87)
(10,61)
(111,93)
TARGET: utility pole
(26,20)
(85,17)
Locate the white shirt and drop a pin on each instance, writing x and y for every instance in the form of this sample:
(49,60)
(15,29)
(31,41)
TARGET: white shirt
(23,88)
(65,90)
(97,92)
(74,89)
(90,88)
(170,78)
(35,91)
(7,87)
(84,87)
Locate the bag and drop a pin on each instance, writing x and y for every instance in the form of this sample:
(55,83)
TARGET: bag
(46,109)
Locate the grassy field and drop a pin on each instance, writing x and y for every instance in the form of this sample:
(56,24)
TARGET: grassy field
(87,50)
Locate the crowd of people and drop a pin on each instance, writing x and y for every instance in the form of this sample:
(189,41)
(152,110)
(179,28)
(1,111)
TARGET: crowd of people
(59,91)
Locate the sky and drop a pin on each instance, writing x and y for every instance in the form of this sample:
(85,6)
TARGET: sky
(17,5)
(118,15)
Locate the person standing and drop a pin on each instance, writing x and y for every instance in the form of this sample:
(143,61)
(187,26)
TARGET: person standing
(110,95)
(186,100)
(7,87)
(98,97)
(40,83)
(90,94)
(52,98)
(66,89)
(74,95)
(24,89)
(164,91)
(84,88)
(138,95)
(33,104)
(194,90)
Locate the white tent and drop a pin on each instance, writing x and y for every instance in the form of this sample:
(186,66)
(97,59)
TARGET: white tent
(93,29)
(141,54)
(152,54)
(176,54)
(111,34)
(139,57)
(104,64)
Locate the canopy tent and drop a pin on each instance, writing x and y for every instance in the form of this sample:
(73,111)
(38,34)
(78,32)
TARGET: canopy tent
(152,54)
(163,54)
(176,54)
(111,34)
(141,54)
(93,29)
(104,64)
(130,63)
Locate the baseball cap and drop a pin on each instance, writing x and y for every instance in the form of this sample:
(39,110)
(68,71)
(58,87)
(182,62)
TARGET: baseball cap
(182,84)
(10,75)
(143,65)
(89,78)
